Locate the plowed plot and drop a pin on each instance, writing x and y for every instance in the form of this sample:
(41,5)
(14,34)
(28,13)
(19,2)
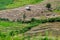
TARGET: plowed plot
(51,28)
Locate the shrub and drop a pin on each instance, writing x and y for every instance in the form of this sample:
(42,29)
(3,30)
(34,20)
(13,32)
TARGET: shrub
(20,21)
(46,38)
(2,35)
(4,19)
(33,19)
(44,21)
(24,17)
(51,20)
(58,8)
(57,19)
(12,33)
(26,22)
(48,6)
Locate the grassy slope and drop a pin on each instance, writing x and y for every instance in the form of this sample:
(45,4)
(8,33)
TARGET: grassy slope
(16,3)
(12,26)
(15,26)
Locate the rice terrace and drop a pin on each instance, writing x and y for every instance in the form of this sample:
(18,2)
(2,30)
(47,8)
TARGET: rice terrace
(29,19)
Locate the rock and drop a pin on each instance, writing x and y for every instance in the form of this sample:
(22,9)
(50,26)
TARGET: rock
(28,8)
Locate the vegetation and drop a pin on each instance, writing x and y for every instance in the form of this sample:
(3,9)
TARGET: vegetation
(16,28)
(16,3)
(10,30)
(22,37)
(57,9)
(48,6)
(4,19)
(27,25)
(24,17)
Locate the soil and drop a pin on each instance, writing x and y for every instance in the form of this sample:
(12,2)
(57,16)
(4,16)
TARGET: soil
(51,28)
(37,10)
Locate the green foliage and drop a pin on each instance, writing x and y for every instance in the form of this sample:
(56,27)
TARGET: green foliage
(35,22)
(24,17)
(33,19)
(4,3)
(51,20)
(12,33)
(57,9)
(45,38)
(48,6)
(23,27)
(16,3)
(4,19)
(23,37)
(57,19)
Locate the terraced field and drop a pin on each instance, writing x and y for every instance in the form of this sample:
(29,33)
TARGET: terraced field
(52,28)
(38,28)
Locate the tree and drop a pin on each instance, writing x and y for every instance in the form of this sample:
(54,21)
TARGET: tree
(24,16)
(48,6)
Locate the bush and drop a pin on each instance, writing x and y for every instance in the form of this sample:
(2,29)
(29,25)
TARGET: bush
(48,6)
(57,19)
(45,38)
(2,35)
(25,29)
(33,19)
(51,20)
(30,21)
(44,21)
(12,33)
(4,19)
(26,22)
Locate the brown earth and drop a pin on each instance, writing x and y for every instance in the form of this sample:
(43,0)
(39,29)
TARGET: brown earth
(37,10)
(51,28)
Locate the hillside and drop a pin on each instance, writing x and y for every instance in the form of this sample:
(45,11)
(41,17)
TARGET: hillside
(29,20)
(5,4)
(36,11)
(52,28)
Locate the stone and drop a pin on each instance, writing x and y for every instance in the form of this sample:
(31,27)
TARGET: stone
(28,8)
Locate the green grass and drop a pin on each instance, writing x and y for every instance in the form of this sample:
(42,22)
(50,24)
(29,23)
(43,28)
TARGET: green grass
(12,29)
(22,37)
(23,27)
(7,26)
(7,29)
(57,11)
(16,3)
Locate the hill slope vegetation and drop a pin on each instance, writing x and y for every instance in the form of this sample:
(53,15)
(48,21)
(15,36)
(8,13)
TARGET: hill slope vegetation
(16,3)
